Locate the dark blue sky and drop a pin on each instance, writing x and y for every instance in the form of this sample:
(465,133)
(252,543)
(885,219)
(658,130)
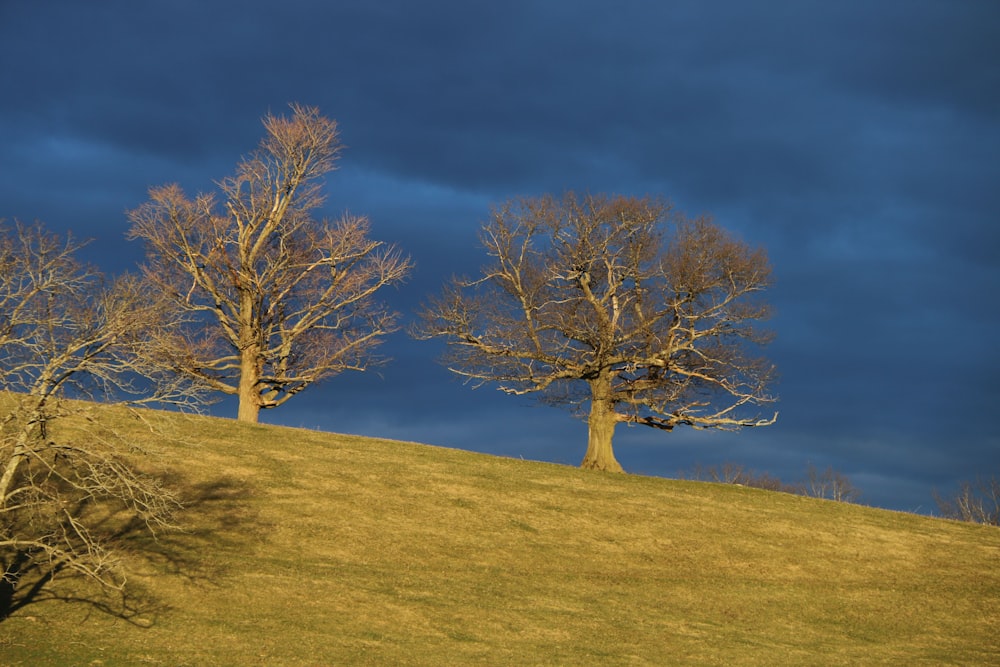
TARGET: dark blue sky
(858,141)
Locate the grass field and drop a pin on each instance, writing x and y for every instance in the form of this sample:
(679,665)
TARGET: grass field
(307,548)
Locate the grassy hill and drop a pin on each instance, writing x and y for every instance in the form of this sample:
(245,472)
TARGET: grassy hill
(307,548)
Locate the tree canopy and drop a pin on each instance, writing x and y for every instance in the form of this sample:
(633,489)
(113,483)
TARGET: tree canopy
(64,332)
(275,300)
(618,301)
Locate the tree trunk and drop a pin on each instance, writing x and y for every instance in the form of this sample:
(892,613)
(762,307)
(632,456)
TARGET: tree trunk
(249,409)
(18,456)
(601,428)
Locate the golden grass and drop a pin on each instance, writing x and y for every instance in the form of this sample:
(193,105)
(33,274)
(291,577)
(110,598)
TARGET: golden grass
(306,548)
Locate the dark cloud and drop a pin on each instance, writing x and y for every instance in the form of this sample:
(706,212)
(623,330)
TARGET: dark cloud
(856,141)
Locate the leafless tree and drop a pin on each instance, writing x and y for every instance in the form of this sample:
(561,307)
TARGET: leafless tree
(618,301)
(280,300)
(830,484)
(63,474)
(976,502)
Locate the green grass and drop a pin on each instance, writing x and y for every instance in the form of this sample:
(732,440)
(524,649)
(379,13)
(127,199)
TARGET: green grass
(306,548)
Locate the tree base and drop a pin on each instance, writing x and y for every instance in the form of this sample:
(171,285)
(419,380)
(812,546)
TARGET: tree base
(603,465)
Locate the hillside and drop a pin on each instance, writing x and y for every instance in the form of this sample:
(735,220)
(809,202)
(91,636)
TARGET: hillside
(307,548)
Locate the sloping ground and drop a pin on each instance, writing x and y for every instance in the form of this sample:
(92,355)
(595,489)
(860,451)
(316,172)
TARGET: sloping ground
(305,548)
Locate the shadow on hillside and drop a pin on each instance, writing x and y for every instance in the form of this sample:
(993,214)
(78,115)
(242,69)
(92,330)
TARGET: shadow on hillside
(217,526)
(39,582)
(220,526)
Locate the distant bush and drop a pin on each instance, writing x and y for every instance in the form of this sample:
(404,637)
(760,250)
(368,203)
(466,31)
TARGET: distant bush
(976,502)
(828,483)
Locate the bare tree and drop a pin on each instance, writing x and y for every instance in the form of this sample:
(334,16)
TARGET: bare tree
(63,332)
(976,502)
(618,301)
(830,484)
(281,300)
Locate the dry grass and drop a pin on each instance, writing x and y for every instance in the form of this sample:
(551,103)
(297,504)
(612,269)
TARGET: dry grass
(306,548)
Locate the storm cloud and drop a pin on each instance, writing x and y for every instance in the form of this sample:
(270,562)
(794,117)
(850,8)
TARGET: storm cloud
(856,141)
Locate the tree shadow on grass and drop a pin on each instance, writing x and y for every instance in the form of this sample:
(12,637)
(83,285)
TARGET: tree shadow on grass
(35,583)
(218,522)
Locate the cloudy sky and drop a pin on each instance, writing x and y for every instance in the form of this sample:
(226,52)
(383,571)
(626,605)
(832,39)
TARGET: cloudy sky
(858,141)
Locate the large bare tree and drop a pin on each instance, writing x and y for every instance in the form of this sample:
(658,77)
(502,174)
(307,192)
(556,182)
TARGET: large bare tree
(281,299)
(616,301)
(64,475)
